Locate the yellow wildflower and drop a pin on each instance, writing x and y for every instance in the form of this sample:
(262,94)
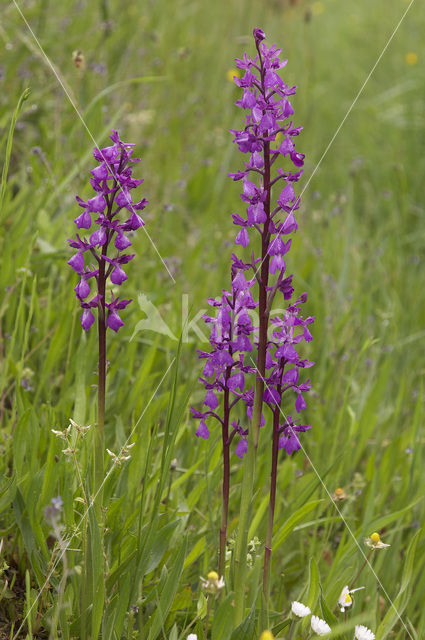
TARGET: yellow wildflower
(232,73)
(339,494)
(411,58)
(213,584)
(374,542)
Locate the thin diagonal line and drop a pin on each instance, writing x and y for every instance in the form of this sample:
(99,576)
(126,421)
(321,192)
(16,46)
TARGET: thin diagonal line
(74,106)
(341,124)
(337,508)
(84,516)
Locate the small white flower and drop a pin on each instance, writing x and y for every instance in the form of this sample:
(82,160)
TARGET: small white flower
(345,600)
(192,636)
(123,455)
(363,633)
(62,434)
(80,430)
(213,584)
(374,542)
(299,609)
(319,626)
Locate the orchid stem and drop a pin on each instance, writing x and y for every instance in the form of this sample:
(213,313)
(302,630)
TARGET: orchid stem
(272,502)
(99,436)
(226,485)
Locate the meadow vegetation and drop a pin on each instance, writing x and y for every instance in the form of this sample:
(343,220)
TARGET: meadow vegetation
(160,72)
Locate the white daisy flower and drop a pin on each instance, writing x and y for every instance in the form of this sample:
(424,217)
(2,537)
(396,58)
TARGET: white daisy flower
(345,600)
(299,609)
(319,626)
(363,633)
(374,542)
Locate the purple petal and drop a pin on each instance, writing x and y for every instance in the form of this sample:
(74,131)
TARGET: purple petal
(118,275)
(84,220)
(242,238)
(82,289)
(87,319)
(113,321)
(97,204)
(98,238)
(241,448)
(211,400)
(122,242)
(202,430)
(77,262)
(300,403)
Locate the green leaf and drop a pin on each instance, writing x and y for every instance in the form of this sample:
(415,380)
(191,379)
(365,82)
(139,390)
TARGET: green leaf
(95,571)
(201,606)
(160,545)
(24,96)
(395,611)
(196,551)
(168,593)
(246,630)
(327,614)
(292,522)
(223,619)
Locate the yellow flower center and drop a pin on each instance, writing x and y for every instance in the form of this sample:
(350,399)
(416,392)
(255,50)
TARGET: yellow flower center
(348,599)
(375,537)
(339,491)
(213,575)
(267,635)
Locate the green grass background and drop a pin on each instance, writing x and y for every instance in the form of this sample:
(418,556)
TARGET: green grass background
(158,71)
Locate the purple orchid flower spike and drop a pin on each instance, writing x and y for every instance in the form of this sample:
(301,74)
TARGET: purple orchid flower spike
(109,217)
(269,139)
(114,215)
(231,339)
(259,364)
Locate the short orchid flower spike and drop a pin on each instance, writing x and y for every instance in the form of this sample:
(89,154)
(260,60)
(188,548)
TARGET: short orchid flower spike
(374,542)
(192,636)
(112,217)
(363,633)
(299,609)
(345,600)
(319,626)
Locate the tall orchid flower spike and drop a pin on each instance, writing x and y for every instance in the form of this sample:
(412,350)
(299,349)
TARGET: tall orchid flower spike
(268,139)
(246,362)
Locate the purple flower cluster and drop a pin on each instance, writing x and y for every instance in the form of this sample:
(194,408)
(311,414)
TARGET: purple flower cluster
(268,137)
(112,182)
(225,368)
(283,365)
